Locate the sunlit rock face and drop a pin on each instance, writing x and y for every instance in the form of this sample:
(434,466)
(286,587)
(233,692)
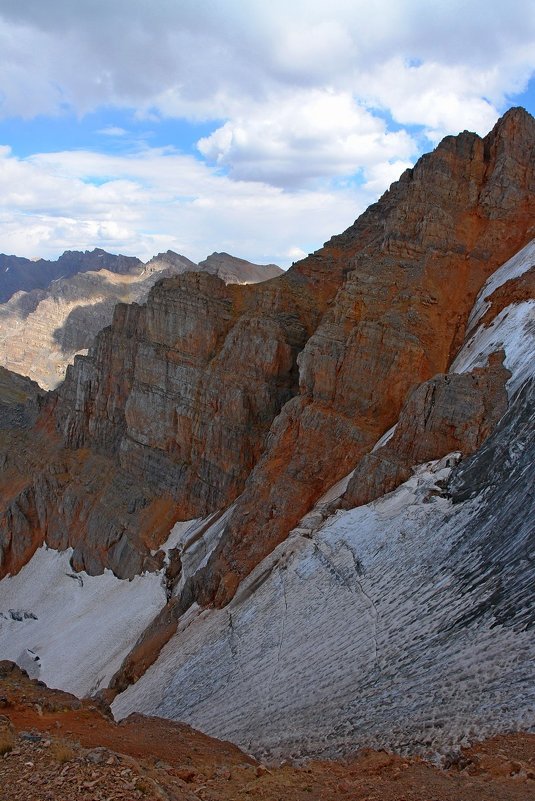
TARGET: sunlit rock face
(266,393)
(415,262)
(41,330)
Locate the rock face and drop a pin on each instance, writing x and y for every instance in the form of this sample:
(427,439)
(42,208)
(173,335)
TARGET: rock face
(42,330)
(447,413)
(404,623)
(413,265)
(271,392)
(26,274)
(21,400)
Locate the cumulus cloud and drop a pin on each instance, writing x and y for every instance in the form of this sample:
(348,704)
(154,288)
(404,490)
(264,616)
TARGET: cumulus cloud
(209,60)
(304,136)
(307,100)
(159,199)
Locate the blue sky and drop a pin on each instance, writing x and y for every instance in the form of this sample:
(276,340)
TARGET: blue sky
(225,125)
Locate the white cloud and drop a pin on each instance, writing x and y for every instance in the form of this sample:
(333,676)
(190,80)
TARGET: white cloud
(212,59)
(298,94)
(112,130)
(158,199)
(304,136)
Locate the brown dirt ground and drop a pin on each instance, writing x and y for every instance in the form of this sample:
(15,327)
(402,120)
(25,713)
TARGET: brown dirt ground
(58,748)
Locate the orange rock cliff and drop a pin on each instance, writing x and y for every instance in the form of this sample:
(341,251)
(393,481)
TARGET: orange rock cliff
(266,394)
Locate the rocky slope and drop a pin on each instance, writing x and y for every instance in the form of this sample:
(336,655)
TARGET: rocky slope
(240,406)
(42,330)
(55,746)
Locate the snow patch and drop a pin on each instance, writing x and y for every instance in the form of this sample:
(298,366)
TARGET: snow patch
(348,637)
(387,436)
(195,541)
(70,629)
(519,264)
(513,329)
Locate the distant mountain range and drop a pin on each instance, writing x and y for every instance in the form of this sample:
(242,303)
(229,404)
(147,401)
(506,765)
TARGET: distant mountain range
(44,324)
(18,273)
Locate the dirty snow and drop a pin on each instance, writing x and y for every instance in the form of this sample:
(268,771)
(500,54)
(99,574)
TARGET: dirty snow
(195,540)
(341,638)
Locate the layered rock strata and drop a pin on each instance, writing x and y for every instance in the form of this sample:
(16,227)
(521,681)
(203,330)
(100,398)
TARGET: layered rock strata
(415,262)
(272,392)
(42,330)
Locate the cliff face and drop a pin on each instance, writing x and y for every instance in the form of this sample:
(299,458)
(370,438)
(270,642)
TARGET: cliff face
(272,392)
(42,330)
(414,263)
(404,621)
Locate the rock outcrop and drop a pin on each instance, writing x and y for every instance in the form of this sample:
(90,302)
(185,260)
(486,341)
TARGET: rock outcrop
(452,412)
(21,400)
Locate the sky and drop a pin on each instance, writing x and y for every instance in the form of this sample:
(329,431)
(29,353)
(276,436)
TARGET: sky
(260,129)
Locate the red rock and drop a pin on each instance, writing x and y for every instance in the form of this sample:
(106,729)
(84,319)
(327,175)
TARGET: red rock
(447,413)
(269,392)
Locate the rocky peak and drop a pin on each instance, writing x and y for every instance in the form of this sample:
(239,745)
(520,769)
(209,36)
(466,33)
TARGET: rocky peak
(19,273)
(235,270)
(268,394)
(170,259)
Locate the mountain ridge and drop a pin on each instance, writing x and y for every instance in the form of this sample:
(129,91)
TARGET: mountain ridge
(257,451)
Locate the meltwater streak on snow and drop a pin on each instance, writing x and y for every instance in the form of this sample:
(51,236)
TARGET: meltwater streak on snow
(515,267)
(513,329)
(196,540)
(83,626)
(351,638)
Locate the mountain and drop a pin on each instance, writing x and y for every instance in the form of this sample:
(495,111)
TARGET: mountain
(20,274)
(318,486)
(41,330)
(238,271)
